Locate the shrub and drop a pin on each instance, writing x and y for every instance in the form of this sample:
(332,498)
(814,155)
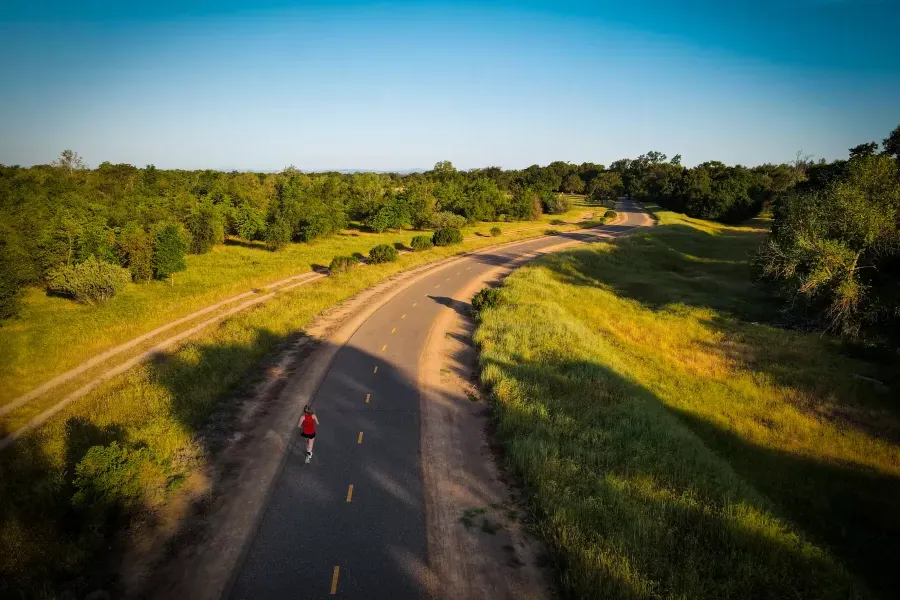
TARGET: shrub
(91,281)
(342,264)
(610,214)
(447,236)
(383,253)
(421,242)
(169,247)
(495,231)
(486,298)
(110,476)
(445,219)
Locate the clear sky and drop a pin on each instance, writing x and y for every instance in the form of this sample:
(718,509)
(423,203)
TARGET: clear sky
(262,84)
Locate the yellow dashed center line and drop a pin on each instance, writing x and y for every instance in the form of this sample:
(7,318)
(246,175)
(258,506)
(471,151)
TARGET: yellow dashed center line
(367,398)
(403,316)
(350,493)
(359,439)
(383,348)
(334,580)
(376,370)
(393,330)
(437,286)
(414,303)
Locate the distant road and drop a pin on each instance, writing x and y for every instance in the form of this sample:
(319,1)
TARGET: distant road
(352,523)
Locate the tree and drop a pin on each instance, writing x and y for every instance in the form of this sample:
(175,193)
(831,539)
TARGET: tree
(573,184)
(835,250)
(862,150)
(135,250)
(892,143)
(69,161)
(206,227)
(169,248)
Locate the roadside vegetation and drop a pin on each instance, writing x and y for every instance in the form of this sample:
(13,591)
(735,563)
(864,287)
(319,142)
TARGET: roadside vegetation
(676,440)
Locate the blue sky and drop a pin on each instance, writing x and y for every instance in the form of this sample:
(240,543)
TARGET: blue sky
(398,85)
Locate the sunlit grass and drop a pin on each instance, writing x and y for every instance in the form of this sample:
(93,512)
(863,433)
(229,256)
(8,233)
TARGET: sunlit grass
(677,445)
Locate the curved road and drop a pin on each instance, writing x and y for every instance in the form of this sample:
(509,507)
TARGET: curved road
(352,523)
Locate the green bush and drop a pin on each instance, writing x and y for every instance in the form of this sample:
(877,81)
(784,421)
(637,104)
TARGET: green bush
(610,214)
(447,236)
(486,298)
(421,242)
(342,264)
(110,476)
(91,281)
(445,219)
(495,231)
(383,253)
(555,204)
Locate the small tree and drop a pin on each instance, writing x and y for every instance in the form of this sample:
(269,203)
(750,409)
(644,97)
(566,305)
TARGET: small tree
(135,251)
(169,248)
(495,231)
(383,253)
(278,233)
(447,236)
(207,229)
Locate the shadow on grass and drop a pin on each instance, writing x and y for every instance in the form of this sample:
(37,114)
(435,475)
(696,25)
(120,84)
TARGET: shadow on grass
(635,506)
(845,508)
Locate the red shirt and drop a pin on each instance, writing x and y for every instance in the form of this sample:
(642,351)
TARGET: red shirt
(309,424)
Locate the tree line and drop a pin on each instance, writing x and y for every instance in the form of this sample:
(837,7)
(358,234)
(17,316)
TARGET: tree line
(85,232)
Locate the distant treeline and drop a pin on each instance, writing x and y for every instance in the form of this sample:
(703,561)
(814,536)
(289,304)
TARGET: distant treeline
(138,223)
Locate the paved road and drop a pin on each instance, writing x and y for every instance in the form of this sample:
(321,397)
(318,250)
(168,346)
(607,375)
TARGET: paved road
(320,538)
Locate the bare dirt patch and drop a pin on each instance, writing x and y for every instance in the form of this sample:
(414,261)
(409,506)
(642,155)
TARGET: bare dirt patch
(478,545)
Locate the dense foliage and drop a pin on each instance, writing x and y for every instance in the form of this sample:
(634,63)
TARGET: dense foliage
(711,190)
(144,220)
(834,251)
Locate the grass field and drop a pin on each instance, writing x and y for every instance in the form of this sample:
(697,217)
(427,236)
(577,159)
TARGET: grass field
(156,414)
(54,334)
(675,442)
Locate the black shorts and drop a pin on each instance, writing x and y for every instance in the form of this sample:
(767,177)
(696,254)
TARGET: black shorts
(308,436)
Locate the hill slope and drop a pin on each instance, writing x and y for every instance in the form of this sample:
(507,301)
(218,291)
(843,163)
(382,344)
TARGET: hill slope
(676,445)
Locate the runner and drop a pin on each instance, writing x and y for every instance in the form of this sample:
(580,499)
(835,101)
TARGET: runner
(307,426)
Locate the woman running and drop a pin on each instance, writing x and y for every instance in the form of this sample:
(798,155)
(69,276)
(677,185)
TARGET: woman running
(307,426)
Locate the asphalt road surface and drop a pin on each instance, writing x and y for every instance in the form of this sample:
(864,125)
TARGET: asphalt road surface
(351,524)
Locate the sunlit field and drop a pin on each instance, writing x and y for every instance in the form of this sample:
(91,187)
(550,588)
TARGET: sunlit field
(675,441)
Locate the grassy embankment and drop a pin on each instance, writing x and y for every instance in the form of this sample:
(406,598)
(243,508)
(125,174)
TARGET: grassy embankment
(675,442)
(157,412)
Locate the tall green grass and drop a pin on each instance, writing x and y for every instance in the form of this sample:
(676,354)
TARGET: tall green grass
(675,442)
